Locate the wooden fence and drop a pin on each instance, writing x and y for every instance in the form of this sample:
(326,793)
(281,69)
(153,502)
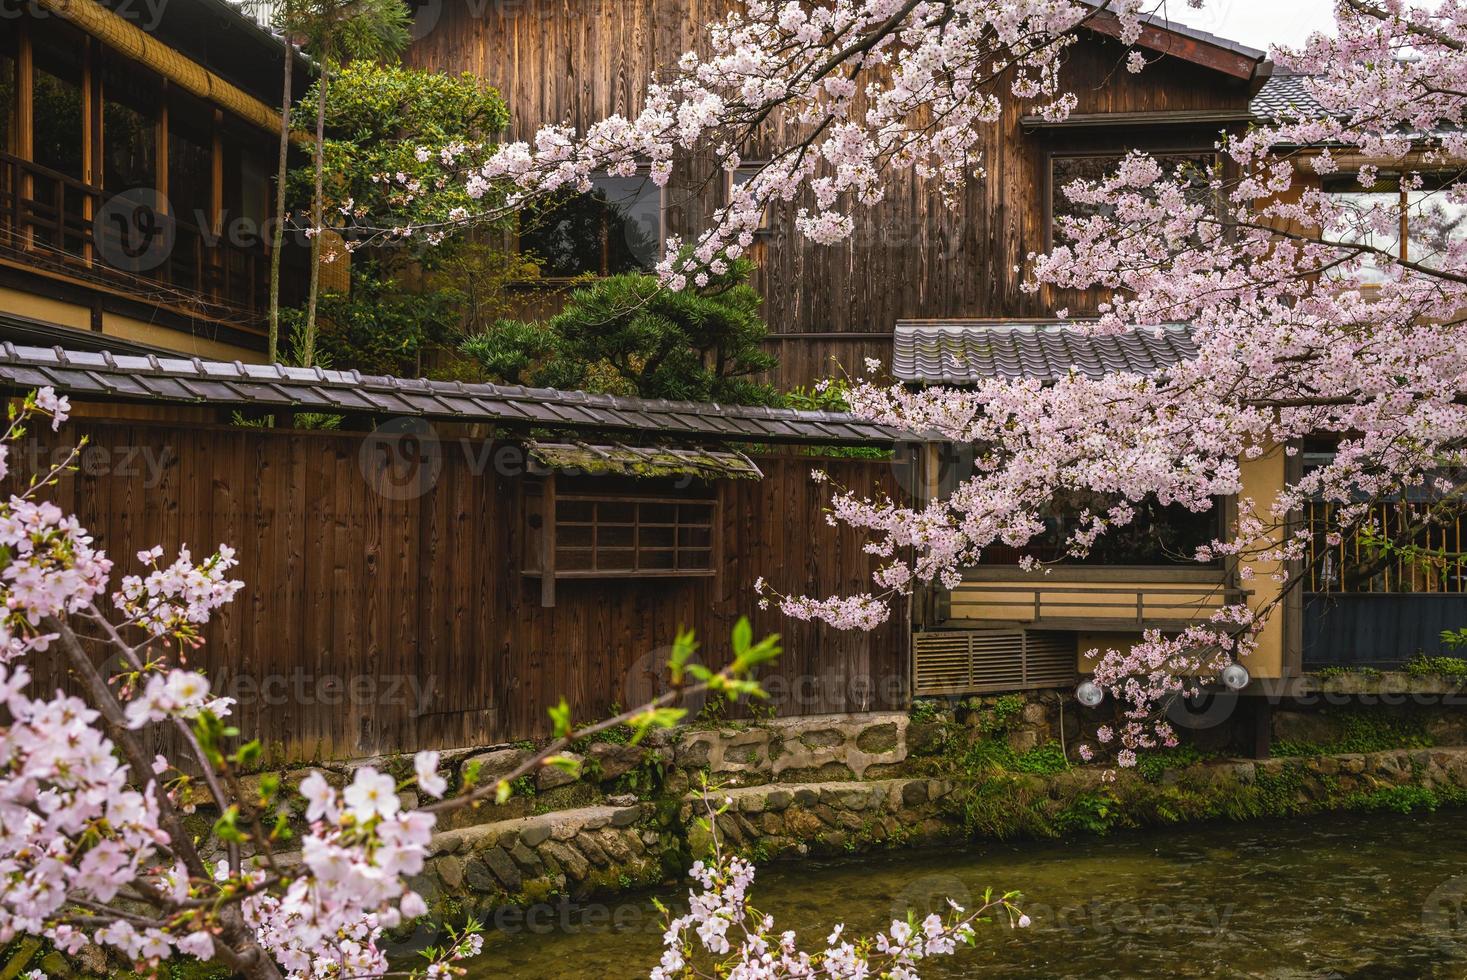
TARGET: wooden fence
(377,622)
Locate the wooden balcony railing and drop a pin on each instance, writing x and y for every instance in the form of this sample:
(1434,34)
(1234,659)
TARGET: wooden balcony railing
(1118,601)
(49,220)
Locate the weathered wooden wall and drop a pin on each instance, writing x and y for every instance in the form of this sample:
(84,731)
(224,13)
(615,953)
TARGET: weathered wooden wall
(380,622)
(913,256)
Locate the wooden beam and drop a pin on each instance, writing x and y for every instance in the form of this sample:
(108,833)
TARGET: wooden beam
(547,547)
(1179,44)
(1165,117)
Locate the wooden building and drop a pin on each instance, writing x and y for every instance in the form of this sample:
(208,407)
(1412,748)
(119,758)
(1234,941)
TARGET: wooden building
(913,256)
(137,154)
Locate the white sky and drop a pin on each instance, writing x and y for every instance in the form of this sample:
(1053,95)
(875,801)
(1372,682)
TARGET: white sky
(1257,23)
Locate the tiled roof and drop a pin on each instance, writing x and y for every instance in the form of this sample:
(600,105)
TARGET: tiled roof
(967,351)
(1286,95)
(192,381)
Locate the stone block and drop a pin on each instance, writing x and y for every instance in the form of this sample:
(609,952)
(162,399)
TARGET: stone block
(504,868)
(549,777)
(494,766)
(570,860)
(614,761)
(879,739)
(450,871)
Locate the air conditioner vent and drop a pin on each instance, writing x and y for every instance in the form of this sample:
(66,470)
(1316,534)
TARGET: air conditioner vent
(974,661)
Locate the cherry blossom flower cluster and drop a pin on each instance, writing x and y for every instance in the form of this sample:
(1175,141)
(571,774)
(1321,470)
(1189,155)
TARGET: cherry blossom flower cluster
(723,935)
(868,87)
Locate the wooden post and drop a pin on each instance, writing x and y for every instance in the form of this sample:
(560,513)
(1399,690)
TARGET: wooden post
(25,137)
(1260,737)
(547,546)
(91,141)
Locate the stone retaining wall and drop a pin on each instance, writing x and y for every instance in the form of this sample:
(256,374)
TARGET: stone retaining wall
(599,850)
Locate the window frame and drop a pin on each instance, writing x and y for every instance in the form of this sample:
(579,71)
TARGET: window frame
(1115,153)
(645,173)
(1434,182)
(750,167)
(541,550)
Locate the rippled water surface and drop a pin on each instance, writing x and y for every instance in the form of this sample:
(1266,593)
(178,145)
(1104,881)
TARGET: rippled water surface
(1352,897)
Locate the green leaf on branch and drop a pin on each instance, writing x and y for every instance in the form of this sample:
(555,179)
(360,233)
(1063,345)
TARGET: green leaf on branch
(652,718)
(560,718)
(226,828)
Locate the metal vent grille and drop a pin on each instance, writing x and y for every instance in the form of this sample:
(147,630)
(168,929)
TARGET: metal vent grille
(973,661)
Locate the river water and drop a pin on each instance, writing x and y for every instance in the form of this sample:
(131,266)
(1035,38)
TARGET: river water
(1346,896)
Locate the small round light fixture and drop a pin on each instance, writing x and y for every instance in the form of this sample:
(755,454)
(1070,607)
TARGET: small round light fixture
(1235,677)
(1090,694)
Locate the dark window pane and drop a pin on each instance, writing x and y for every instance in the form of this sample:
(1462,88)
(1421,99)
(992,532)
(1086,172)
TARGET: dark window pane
(575,510)
(616,227)
(58,115)
(658,537)
(58,207)
(1064,170)
(129,127)
(190,161)
(1158,535)
(190,187)
(616,511)
(615,537)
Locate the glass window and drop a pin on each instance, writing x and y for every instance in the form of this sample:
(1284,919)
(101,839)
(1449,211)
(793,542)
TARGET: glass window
(1195,166)
(1375,217)
(190,161)
(247,175)
(129,126)
(190,188)
(9,93)
(614,228)
(742,175)
(58,116)
(1158,535)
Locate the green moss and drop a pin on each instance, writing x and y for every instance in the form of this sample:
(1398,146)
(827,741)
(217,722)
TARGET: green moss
(925,711)
(1151,765)
(1360,731)
(1424,666)
(1395,799)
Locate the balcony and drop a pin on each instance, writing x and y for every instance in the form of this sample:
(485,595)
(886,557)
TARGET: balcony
(1091,599)
(49,226)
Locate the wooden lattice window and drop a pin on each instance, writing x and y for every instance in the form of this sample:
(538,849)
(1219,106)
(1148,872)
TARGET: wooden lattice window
(612,536)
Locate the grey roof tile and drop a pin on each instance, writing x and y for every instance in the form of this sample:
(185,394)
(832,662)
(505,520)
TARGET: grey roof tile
(969,351)
(152,378)
(1285,95)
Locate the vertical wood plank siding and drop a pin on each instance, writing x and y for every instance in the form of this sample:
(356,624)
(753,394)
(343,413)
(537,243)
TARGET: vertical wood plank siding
(376,623)
(913,256)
